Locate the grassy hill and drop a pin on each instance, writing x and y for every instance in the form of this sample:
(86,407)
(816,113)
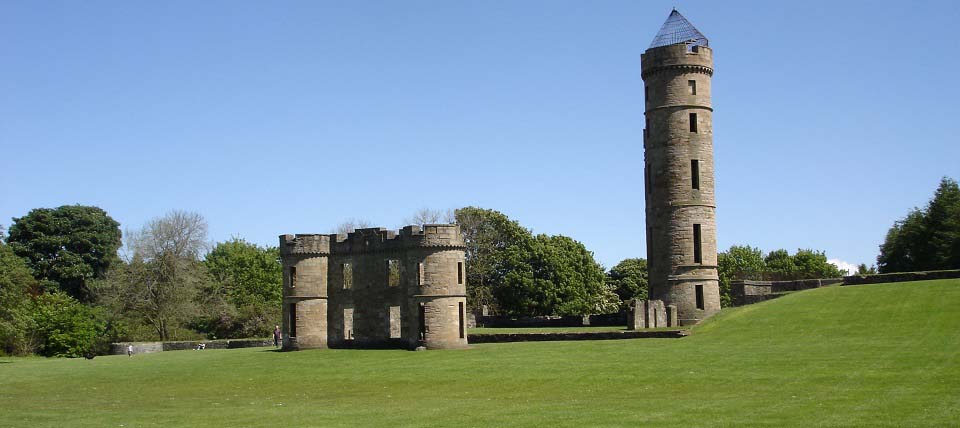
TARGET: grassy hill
(874,356)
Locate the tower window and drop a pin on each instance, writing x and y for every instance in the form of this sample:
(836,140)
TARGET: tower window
(697,248)
(293,276)
(692,86)
(347,271)
(699,291)
(693,122)
(646,93)
(419,273)
(695,174)
(293,320)
(463,324)
(459,272)
(393,273)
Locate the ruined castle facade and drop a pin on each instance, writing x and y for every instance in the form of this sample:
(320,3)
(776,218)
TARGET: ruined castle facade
(678,170)
(375,288)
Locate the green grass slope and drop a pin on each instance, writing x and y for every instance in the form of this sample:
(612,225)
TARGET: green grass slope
(873,356)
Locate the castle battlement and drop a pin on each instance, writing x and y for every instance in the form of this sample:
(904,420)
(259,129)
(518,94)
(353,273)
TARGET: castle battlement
(374,239)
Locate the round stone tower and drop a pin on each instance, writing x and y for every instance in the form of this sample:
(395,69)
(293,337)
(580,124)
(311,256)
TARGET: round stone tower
(678,167)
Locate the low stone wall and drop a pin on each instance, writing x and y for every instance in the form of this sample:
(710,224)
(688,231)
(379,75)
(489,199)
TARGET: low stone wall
(747,292)
(900,277)
(120,348)
(598,320)
(546,337)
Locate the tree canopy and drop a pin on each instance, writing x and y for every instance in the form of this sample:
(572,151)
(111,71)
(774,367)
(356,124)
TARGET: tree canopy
(66,247)
(928,238)
(629,279)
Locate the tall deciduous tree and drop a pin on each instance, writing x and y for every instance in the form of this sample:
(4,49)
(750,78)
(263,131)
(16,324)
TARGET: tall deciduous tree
(67,247)
(629,279)
(490,238)
(249,278)
(160,284)
(927,239)
(17,286)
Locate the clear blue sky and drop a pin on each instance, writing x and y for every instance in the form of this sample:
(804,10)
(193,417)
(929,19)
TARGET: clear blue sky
(832,119)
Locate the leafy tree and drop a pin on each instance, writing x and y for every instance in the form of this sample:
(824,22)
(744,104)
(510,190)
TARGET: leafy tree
(629,279)
(17,286)
(812,264)
(862,269)
(66,327)
(250,280)
(740,262)
(927,239)
(67,246)
(492,240)
(160,285)
(553,275)
(780,266)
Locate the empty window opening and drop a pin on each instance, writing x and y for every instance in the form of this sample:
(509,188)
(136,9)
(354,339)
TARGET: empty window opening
(293,276)
(422,322)
(293,320)
(463,330)
(394,322)
(459,272)
(347,270)
(695,174)
(393,273)
(693,122)
(646,93)
(699,290)
(692,86)
(419,273)
(697,249)
(348,323)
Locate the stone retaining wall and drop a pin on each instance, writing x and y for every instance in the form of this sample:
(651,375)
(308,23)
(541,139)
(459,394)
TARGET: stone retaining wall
(120,348)
(900,277)
(747,292)
(545,337)
(597,320)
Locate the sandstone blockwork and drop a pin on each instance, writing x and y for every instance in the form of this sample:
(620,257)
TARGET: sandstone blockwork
(679,180)
(375,288)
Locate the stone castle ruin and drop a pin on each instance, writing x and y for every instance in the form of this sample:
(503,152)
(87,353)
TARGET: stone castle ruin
(375,288)
(378,288)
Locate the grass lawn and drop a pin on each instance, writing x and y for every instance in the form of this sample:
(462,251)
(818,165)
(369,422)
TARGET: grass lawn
(872,356)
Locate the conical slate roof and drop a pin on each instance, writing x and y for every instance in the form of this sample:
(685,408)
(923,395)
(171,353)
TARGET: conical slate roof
(678,30)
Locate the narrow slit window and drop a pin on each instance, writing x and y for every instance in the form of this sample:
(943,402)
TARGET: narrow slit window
(459,272)
(646,93)
(699,290)
(697,248)
(692,86)
(347,323)
(693,122)
(463,327)
(695,174)
(423,321)
(293,320)
(393,273)
(293,276)
(394,322)
(419,273)
(347,270)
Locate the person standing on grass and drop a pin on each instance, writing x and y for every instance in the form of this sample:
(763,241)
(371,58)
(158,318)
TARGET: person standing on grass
(277,335)
(129,350)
